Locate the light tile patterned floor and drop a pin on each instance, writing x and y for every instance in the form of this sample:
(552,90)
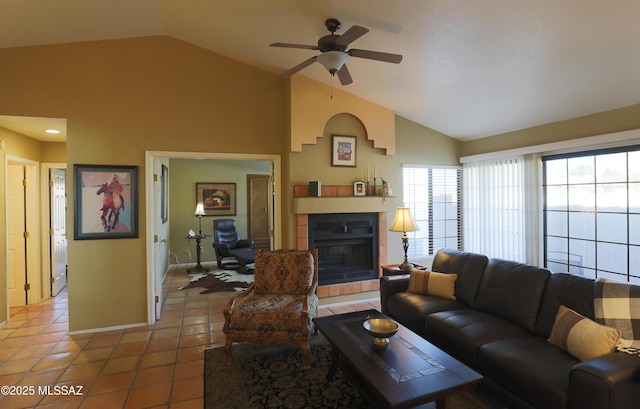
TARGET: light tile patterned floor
(159,366)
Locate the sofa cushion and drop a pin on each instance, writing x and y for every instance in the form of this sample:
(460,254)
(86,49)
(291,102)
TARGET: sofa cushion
(469,268)
(512,291)
(582,337)
(409,309)
(530,368)
(461,332)
(570,290)
(432,283)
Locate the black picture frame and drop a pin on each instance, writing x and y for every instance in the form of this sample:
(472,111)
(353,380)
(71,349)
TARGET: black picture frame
(105,202)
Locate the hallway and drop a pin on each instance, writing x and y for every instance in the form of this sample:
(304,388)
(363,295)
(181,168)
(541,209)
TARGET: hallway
(159,366)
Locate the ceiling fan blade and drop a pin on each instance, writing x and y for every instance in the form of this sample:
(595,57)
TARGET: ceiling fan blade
(375,55)
(344,76)
(288,45)
(298,67)
(352,35)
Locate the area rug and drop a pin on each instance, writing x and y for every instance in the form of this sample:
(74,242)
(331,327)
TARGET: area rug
(267,376)
(219,280)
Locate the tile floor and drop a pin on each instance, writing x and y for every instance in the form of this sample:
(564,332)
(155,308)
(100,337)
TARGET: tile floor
(159,366)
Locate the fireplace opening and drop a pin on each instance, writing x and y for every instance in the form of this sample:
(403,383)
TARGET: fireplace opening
(347,246)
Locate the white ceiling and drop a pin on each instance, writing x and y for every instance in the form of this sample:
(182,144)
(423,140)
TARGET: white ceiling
(471,68)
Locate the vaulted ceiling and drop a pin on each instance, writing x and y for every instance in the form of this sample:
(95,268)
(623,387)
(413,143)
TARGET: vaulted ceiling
(471,68)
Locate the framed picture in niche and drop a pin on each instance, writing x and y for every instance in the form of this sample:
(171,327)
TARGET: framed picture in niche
(343,151)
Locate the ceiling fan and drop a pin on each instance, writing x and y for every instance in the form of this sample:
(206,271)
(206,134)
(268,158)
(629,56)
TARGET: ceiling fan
(334,53)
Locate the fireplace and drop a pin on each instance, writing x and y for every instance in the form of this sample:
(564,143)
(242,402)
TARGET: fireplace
(347,246)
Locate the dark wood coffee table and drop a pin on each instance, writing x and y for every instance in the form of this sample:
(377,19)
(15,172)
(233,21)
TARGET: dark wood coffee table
(408,373)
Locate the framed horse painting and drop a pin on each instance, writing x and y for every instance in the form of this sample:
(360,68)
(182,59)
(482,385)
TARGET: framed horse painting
(105,202)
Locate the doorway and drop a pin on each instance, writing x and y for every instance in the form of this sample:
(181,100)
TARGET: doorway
(153,211)
(57,230)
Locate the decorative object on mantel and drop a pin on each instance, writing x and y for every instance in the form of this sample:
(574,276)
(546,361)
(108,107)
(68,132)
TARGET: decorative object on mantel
(403,222)
(343,151)
(386,189)
(315,188)
(359,188)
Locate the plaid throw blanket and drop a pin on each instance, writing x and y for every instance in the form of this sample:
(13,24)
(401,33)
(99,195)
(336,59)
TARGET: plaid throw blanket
(617,305)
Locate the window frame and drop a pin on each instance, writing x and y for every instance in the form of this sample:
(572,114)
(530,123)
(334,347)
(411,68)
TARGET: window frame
(425,215)
(597,244)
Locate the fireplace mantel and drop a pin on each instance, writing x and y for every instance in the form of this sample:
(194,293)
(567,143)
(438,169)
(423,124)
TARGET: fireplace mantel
(346,204)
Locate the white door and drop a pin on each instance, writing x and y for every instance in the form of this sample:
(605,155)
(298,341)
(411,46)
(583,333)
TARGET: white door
(59,236)
(16,252)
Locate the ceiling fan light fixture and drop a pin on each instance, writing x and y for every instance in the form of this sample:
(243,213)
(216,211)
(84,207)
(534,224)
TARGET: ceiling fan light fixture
(333,60)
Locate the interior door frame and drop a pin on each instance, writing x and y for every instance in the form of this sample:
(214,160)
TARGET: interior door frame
(45,259)
(153,208)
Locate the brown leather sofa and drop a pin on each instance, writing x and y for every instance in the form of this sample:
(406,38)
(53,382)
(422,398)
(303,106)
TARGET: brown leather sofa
(499,325)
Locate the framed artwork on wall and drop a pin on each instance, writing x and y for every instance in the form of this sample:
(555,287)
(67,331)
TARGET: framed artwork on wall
(105,202)
(343,151)
(219,199)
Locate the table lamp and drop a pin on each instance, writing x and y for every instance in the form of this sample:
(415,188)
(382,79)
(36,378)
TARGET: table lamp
(403,222)
(200,212)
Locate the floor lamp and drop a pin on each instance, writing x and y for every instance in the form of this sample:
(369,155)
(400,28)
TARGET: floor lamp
(403,222)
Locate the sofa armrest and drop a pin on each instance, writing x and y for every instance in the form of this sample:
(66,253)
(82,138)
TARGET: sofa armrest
(391,285)
(611,381)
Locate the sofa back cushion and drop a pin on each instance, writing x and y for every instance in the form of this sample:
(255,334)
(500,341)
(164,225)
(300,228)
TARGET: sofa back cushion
(570,290)
(469,268)
(512,291)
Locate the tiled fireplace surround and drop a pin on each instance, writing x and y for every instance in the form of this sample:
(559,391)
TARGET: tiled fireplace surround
(331,290)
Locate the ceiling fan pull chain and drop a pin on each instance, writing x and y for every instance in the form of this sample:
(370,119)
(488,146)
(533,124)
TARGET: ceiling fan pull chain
(331,86)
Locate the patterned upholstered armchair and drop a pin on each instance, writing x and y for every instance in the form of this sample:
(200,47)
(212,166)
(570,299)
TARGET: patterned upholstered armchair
(279,305)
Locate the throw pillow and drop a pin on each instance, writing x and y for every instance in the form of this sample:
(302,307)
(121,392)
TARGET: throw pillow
(431,283)
(580,336)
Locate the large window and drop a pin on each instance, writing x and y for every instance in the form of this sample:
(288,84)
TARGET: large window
(433,194)
(499,200)
(592,213)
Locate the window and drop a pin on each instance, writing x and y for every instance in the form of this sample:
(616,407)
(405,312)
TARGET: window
(433,194)
(592,213)
(496,204)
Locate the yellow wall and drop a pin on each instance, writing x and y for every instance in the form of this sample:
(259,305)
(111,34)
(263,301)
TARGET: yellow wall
(121,98)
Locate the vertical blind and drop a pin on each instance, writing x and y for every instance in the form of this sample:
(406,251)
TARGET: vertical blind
(494,208)
(433,194)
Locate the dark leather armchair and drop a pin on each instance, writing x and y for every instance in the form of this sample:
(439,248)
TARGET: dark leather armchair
(227,243)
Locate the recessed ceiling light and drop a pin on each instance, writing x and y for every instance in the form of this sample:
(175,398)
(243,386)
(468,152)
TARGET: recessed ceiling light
(51,131)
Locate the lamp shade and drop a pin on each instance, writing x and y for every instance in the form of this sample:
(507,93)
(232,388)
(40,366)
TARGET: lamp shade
(403,222)
(333,60)
(200,209)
